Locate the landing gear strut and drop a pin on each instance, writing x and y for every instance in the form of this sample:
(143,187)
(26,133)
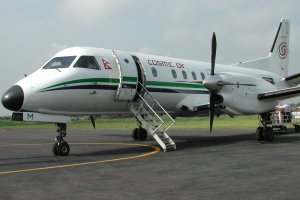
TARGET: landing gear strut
(264,132)
(61,147)
(139,134)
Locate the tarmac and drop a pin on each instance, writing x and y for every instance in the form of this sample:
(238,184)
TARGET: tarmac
(109,164)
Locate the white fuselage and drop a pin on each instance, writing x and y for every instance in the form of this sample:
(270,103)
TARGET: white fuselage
(175,83)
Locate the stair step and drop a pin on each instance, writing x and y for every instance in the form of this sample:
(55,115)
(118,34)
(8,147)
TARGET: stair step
(170,147)
(151,120)
(165,139)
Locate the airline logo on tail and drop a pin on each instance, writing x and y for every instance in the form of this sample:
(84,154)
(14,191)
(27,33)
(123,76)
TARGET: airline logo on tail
(282,50)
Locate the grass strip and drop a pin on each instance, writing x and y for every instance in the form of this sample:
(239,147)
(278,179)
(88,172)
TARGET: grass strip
(127,123)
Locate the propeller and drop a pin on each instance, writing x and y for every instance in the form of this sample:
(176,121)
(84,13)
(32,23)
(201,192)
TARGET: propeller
(213,94)
(213,53)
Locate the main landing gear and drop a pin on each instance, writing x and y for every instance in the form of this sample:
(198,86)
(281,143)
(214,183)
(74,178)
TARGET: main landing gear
(61,147)
(139,134)
(264,133)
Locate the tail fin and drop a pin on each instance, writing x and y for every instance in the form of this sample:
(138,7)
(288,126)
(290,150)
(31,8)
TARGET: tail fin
(278,58)
(280,49)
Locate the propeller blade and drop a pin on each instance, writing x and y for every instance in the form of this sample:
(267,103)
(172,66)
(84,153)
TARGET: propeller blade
(93,121)
(212,95)
(212,102)
(213,53)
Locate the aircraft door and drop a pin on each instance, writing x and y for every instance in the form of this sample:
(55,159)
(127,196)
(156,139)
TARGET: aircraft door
(128,76)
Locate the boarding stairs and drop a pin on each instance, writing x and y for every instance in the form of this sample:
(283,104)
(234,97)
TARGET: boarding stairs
(151,116)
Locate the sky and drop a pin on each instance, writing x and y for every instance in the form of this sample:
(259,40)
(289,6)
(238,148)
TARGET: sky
(32,31)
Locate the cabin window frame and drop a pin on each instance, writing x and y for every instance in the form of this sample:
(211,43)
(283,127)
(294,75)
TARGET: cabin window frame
(154,72)
(202,76)
(194,75)
(184,74)
(174,73)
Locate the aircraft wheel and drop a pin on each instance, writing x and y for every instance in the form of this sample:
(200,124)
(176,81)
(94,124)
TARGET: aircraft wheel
(297,128)
(55,149)
(135,133)
(284,129)
(260,134)
(63,148)
(143,134)
(269,134)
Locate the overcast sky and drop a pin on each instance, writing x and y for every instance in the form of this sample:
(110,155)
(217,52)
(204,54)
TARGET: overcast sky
(34,30)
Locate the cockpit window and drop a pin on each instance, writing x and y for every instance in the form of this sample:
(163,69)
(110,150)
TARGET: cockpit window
(88,62)
(59,62)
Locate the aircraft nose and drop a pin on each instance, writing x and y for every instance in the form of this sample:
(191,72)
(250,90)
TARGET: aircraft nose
(13,98)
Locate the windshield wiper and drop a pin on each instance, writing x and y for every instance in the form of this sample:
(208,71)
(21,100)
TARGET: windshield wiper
(55,68)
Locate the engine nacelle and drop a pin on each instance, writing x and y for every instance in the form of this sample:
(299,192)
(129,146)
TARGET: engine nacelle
(240,91)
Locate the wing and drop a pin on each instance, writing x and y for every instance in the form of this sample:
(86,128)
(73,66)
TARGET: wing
(293,80)
(280,94)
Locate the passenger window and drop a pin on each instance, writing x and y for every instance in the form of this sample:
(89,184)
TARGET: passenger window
(88,62)
(184,74)
(194,76)
(154,72)
(174,73)
(202,76)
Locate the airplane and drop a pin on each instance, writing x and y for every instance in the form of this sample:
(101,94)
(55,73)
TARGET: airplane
(88,81)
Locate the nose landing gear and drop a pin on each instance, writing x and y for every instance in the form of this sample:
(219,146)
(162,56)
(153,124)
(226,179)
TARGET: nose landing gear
(61,147)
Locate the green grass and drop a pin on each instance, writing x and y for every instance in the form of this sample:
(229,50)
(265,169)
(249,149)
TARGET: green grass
(130,123)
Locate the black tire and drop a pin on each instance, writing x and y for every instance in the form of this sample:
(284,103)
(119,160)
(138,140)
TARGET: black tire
(269,134)
(135,134)
(284,130)
(55,149)
(63,148)
(143,134)
(297,128)
(260,134)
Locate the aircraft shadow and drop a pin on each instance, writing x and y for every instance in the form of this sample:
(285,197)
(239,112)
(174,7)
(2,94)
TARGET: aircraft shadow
(182,142)
(188,142)
(130,150)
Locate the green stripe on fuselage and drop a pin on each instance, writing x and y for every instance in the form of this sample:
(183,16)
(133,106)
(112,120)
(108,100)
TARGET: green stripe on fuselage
(128,79)
(172,84)
(87,80)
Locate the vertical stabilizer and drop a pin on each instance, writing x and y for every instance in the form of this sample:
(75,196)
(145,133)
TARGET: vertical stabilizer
(279,53)
(278,58)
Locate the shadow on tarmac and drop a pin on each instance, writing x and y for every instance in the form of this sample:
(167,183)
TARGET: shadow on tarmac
(184,142)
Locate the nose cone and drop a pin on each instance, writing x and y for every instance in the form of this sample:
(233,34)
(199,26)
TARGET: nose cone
(13,98)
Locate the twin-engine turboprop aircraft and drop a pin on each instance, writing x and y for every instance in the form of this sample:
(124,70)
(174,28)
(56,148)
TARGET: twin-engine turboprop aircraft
(95,81)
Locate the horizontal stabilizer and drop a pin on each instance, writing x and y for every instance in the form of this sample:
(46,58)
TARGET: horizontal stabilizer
(280,94)
(293,80)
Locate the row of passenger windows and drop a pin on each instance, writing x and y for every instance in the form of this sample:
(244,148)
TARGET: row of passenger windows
(174,74)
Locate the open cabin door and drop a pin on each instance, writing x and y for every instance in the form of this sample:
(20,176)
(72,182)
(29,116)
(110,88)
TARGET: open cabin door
(128,75)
